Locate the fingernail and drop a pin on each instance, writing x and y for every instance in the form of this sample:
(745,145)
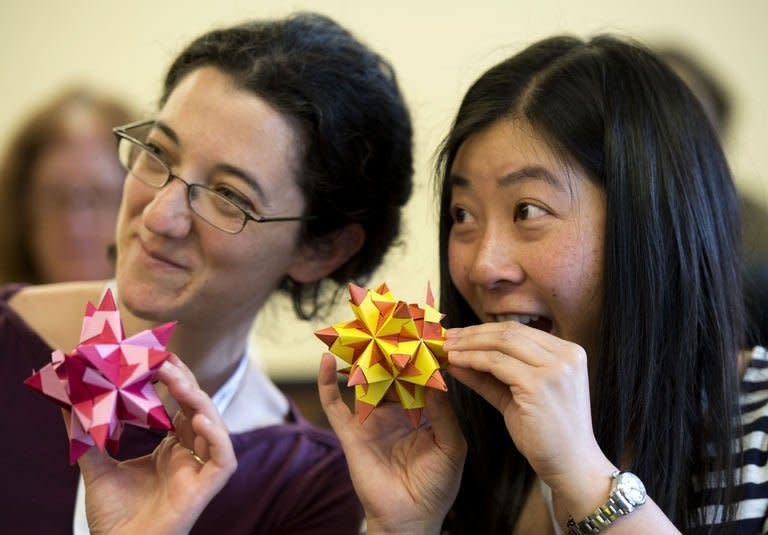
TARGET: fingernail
(452,333)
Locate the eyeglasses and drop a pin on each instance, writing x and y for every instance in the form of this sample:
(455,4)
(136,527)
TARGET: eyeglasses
(142,161)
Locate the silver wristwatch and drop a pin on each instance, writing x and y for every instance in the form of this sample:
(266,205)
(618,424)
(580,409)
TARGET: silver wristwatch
(627,494)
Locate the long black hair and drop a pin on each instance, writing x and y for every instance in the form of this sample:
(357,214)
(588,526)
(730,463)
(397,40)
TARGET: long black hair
(673,316)
(355,130)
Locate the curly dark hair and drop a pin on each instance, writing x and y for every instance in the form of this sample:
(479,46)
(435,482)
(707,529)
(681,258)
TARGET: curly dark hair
(354,127)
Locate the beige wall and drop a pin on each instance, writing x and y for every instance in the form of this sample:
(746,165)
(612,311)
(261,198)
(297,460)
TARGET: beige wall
(437,47)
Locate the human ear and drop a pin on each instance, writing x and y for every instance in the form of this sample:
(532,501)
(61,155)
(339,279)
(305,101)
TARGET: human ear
(317,260)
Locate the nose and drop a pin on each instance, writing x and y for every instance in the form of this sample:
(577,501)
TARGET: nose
(168,213)
(495,262)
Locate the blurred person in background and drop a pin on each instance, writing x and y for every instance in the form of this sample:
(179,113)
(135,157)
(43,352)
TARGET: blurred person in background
(60,189)
(718,105)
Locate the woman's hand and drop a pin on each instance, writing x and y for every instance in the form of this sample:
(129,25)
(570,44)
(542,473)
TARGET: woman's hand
(540,384)
(164,492)
(406,479)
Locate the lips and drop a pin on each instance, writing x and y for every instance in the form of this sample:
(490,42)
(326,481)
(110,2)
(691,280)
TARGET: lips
(541,323)
(156,255)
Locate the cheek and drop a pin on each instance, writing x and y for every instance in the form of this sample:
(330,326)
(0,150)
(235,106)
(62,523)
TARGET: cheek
(458,266)
(577,280)
(134,198)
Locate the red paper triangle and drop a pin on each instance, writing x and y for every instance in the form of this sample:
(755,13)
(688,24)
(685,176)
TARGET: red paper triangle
(363,410)
(400,360)
(327,335)
(163,332)
(357,293)
(158,418)
(357,377)
(414,416)
(401,311)
(432,331)
(108,301)
(410,371)
(99,434)
(430,298)
(34,381)
(436,381)
(384,306)
(155,357)
(76,450)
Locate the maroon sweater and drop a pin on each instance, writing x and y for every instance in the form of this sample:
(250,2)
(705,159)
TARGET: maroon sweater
(291,478)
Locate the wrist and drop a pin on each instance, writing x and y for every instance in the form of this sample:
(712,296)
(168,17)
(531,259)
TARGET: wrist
(626,494)
(578,492)
(373,527)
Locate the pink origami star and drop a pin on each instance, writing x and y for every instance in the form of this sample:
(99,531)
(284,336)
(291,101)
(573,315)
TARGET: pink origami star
(106,381)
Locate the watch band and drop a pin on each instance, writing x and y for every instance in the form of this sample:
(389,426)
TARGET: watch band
(606,514)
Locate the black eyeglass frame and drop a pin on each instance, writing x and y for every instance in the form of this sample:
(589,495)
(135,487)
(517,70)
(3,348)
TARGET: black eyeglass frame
(121,132)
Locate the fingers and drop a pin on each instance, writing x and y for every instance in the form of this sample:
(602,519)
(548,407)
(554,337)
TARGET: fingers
(494,391)
(532,346)
(508,369)
(193,402)
(221,461)
(335,409)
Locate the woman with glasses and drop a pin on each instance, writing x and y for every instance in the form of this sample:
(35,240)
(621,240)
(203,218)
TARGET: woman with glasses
(280,159)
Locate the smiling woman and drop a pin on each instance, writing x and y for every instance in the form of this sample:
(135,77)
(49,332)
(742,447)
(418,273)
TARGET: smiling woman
(514,202)
(252,177)
(591,271)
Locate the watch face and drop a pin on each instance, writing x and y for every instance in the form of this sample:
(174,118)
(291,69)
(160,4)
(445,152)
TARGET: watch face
(631,487)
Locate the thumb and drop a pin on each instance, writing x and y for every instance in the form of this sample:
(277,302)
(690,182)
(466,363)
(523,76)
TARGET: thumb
(445,426)
(335,409)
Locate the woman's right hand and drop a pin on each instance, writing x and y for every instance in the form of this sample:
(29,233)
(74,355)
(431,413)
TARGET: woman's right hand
(164,492)
(406,479)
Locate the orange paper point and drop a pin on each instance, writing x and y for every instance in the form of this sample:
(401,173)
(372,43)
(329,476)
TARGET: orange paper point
(390,345)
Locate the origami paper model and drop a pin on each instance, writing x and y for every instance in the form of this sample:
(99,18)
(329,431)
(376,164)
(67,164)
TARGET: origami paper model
(390,345)
(106,381)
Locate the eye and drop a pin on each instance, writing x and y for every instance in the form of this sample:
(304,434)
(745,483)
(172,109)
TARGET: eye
(156,150)
(234,196)
(525,211)
(460,215)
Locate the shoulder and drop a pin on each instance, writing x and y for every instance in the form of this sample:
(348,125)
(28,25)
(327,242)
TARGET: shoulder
(55,311)
(754,403)
(753,470)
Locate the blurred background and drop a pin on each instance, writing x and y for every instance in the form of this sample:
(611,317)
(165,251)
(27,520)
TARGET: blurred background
(437,47)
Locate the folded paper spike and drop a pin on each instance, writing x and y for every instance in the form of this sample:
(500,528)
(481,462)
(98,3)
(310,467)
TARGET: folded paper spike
(106,381)
(390,346)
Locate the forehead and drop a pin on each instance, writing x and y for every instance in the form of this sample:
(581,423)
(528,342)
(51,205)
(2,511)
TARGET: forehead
(504,146)
(208,112)
(209,98)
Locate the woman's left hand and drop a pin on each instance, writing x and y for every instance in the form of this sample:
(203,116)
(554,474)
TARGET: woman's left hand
(164,492)
(406,479)
(540,384)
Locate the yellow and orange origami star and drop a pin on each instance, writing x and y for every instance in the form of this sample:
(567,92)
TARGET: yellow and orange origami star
(390,345)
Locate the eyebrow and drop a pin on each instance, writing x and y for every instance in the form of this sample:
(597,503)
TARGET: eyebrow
(525,173)
(222,167)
